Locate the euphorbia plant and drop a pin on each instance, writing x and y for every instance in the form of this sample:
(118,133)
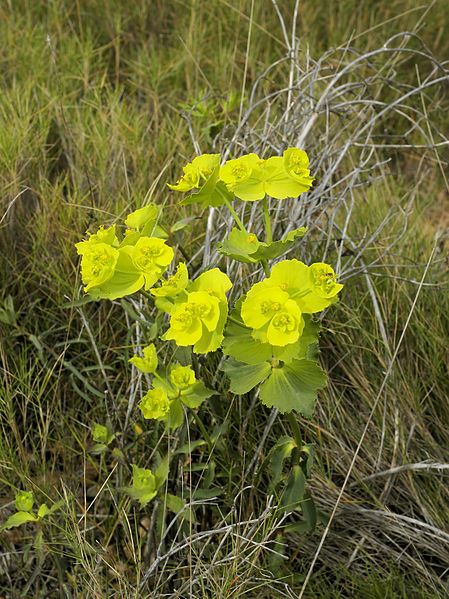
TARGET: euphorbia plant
(269,337)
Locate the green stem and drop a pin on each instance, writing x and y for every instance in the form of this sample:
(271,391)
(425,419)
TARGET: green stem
(234,214)
(266,268)
(296,435)
(147,295)
(202,429)
(267,219)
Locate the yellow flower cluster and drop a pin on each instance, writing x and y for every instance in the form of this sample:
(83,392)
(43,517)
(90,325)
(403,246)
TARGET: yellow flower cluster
(251,178)
(274,307)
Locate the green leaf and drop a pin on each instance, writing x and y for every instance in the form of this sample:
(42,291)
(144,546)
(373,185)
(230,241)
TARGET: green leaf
(102,434)
(43,511)
(294,493)
(293,386)
(18,519)
(246,248)
(245,377)
(309,511)
(239,246)
(279,453)
(270,251)
(175,415)
(175,504)
(194,396)
(189,447)
(240,344)
(98,449)
(182,224)
(212,193)
(161,472)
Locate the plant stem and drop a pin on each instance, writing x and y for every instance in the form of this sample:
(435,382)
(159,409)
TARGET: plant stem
(234,214)
(267,219)
(266,268)
(296,435)
(202,429)
(147,295)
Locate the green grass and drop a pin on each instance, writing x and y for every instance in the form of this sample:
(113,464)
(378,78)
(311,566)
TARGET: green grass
(91,127)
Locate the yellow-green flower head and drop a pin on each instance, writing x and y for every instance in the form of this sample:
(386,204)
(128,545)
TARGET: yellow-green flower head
(275,318)
(143,478)
(24,501)
(189,179)
(149,361)
(323,280)
(97,264)
(294,277)
(194,318)
(251,178)
(296,163)
(174,285)
(151,256)
(103,235)
(205,164)
(182,377)
(242,176)
(214,282)
(155,404)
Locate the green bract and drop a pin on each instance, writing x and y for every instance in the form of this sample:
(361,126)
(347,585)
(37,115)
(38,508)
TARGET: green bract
(149,361)
(174,285)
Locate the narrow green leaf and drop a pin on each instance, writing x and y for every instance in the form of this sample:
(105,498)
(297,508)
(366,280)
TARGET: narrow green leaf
(161,472)
(294,493)
(279,453)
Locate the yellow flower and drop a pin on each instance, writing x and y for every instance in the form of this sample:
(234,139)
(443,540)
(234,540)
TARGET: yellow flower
(155,404)
(149,361)
(323,281)
(273,316)
(174,285)
(151,256)
(97,263)
(182,377)
(193,319)
(189,179)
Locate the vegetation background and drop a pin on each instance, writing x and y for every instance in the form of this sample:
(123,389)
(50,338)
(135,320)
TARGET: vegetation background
(92,125)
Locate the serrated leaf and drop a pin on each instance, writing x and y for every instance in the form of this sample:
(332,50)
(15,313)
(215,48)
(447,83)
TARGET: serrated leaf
(245,377)
(18,519)
(293,386)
